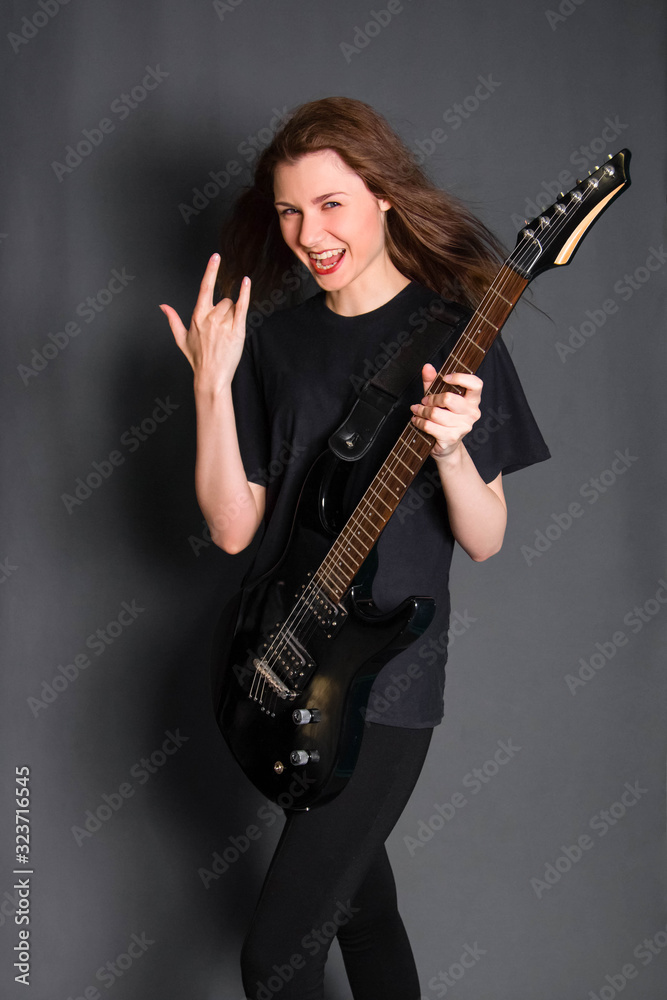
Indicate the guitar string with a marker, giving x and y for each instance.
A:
(519, 256)
(492, 292)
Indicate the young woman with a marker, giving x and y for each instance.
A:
(338, 190)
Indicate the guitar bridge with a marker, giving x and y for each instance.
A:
(274, 681)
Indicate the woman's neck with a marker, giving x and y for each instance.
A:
(367, 291)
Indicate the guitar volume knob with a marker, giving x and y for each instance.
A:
(302, 716)
(301, 757)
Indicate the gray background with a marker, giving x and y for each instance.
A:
(557, 77)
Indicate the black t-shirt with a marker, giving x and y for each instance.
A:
(294, 385)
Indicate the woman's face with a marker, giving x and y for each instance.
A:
(326, 208)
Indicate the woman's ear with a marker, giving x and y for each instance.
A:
(384, 204)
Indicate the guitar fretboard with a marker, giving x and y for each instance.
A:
(365, 524)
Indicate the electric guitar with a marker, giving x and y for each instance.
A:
(296, 652)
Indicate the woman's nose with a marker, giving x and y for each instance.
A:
(310, 232)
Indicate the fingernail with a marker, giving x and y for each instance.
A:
(216, 257)
(246, 280)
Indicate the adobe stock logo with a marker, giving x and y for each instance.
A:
(591, 490)
(94, 819)
(475, 780)
(114, 969)
(363, 36)
(98, 642)
(635, 620)
(132, 439)
(122, 106)
(31, 26)
(625, 288)
(601, 823)
(88, 309)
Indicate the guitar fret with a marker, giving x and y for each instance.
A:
(472, 342)
(340, 560)
(348, 540)
(460, 363)
(346, 573)
(351, 537)
(417, 433)
(471, 339)
(402, 462)
(381, 499)
(367, 518)
(398, 480)
(487, 320)
(359, 525)
(332, 569)
(324, 584)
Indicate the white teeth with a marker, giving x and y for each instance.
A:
(327, 253)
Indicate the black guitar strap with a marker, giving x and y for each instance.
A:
(379, 395)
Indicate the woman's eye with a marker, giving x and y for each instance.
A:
(289, 211)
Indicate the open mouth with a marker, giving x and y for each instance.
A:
(327, 261)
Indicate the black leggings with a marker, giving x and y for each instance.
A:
(330, 877)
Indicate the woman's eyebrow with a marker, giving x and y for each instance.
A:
(315, 201)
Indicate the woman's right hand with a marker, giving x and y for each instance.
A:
(214, 343)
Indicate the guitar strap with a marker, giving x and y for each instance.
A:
(379, 395)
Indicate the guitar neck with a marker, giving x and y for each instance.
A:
(549, 240)
(364, 526)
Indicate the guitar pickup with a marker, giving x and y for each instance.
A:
(326, 613)
(296, 664)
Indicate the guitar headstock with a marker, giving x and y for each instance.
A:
(552, 238)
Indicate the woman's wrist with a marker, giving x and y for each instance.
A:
(453, 462)
(209, 386)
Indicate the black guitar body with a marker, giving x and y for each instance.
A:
(334, 653)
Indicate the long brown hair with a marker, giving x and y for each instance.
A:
(431, 237)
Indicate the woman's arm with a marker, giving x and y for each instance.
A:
(232, 506)
(477, 511)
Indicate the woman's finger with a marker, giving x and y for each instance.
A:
(438, 415)
(450, 401)
(177, 328)
(464, 379)
(242, 303)
(204, 303)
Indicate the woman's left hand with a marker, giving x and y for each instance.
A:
(446, 416)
